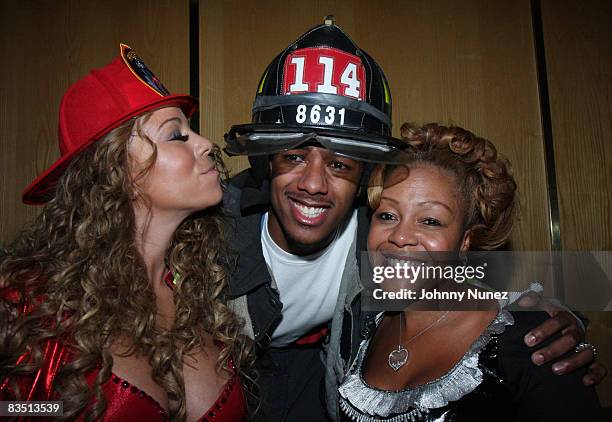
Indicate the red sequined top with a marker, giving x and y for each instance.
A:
(125, 402)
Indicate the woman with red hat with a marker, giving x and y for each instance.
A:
(112, 301)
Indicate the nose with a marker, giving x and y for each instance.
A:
(403, 235)
(202, 146)
(313, 178)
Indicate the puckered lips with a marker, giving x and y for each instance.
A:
(210, 171)
(307, 211)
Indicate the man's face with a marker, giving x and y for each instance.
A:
(312, 192)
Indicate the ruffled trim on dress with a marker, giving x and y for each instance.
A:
(462, 379)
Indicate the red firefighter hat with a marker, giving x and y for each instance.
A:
(98, 103)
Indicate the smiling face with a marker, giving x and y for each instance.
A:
(183, 178)
(421, 211)
(312, 193)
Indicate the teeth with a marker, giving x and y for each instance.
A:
(310, 212)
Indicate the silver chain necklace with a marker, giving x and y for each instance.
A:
(399, 357)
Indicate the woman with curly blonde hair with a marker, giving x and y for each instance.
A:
(113, 301)
(439, 358)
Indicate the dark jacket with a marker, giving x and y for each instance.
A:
(250, 284)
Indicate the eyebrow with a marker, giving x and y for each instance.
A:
(168, 121)
(420, 203)
(307, 148)
(437, 203)
(389, 199)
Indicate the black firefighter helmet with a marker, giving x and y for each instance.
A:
(321, 89)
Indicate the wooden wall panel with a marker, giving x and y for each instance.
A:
(471, 63)
(578, 42)
(46, 45)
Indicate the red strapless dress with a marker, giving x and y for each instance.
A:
(125, 402)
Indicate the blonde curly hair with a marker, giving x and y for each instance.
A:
(77, 267)
(483, 176)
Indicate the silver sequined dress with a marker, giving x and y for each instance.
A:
(493, 381)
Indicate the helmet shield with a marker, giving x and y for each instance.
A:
(274, 139)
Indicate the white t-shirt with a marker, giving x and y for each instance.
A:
(308, 285)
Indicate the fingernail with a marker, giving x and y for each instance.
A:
(538, 358)
(588, 381)
(530, 338)
(559, 368)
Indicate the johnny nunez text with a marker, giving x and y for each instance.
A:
(434, 294)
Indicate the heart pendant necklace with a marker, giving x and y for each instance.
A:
(399, 356)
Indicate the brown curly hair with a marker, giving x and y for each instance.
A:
(483, 176)
(79, 270)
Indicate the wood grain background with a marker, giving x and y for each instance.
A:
(471, 63)
(578, 41)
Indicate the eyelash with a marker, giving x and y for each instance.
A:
(385, 216)
(177, 136)
(293, 157)
(337, 165)
(435, 222)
